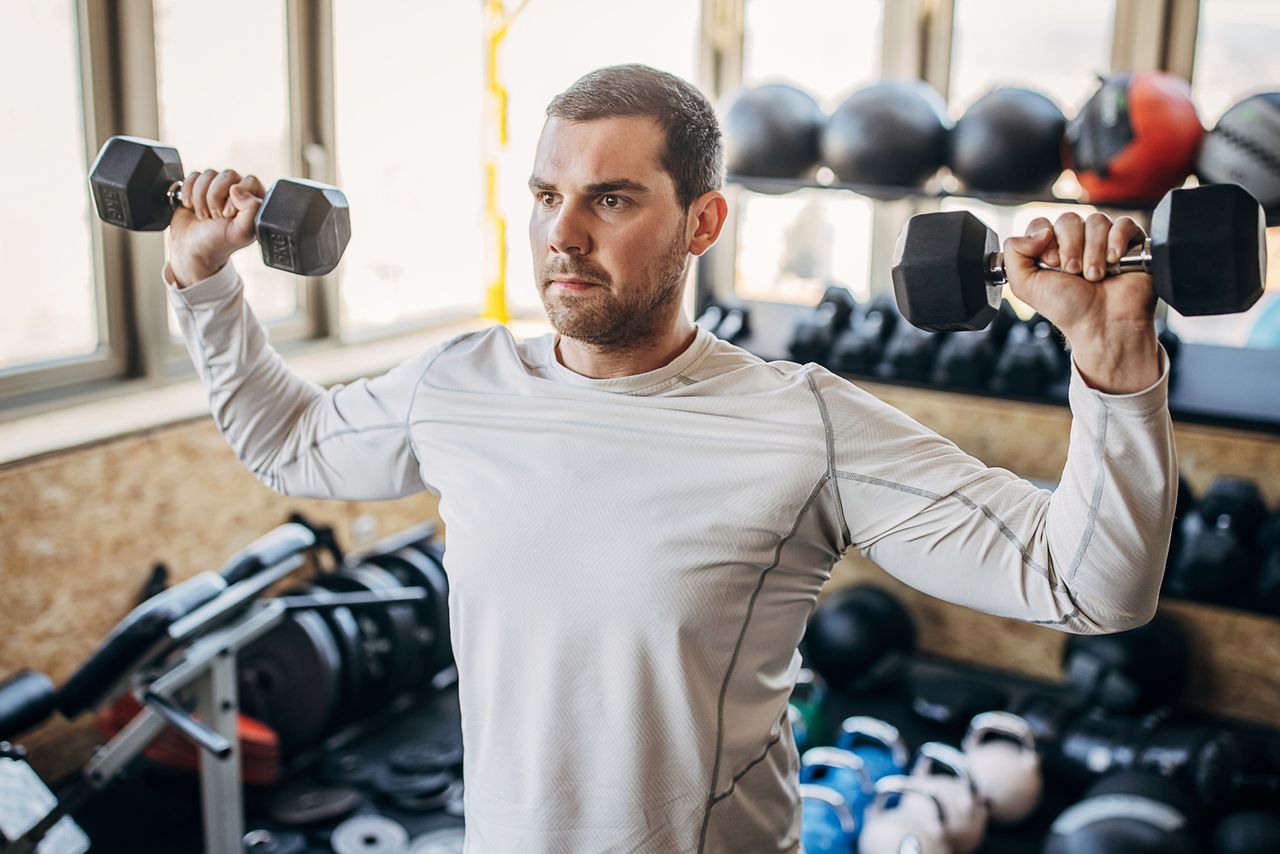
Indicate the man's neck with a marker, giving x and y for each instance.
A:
(601, 363)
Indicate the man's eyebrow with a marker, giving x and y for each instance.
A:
(541, 185)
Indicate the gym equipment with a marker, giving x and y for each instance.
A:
(1244, 149)
(302, 226)
(967, 359)
(841, 770)
(345, 629)
(1127, 813)
(904, 816)
(426, 756)
(1128, 672)
(301, 805)
(728, 322)
(858, 350)
(1006, 767)
(1218, 556)
(877, 743)
(1252, 831)
(827, 824)
(1135, 138)
(369, 834)
(1268, 588)
(964, 812)
(1206, 255)
(771, 131)
(951, 703)
(412, 568)
(1008, 141)
(892, 134)
(425, 792)
(447, 840)
(857, 636)
(26, 699)
(799, 729)
(346, 768)
(909, 354)
(808, 695)
(1030, 360)
(263, 841)
(813, 336)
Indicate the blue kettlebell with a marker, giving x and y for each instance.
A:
(827, 825)
(840, 770)
(876, 743)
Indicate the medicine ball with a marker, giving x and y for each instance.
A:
(893, 133)
(1244, 149)
(1009, 141)
(856, 636)
(1135, 138)
(772, 131)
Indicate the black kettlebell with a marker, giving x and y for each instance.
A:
(1127, 813)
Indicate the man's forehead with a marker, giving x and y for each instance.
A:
(600, 151)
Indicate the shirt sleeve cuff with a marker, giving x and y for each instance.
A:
(215, 288)
(1150, 399)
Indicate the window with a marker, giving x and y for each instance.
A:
(54, 309)
(408, 113)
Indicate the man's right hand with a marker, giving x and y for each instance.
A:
(214, 221)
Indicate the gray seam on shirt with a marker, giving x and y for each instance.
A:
(986, 511)
(831, 457)
(1099, 450)
(686, 380)
(1060, 622)
(413, 398)
(733, 784)
(318, 442)
(737, 648)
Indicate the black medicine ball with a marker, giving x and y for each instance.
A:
(772, 131)
(1009, 141)
(893, 133)
(1244, 149)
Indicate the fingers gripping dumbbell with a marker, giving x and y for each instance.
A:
(1206, 255)
(946, 773)
(302, 226)
(904, 815)
(1006, 767)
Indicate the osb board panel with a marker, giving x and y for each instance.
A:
(1235, 656)
(80, 531)
(1031, 439)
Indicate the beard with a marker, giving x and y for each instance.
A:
(616, 319)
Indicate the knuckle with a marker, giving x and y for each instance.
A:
(1069, 218)
(1097, 218)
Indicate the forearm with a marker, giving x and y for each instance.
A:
(1120, 359)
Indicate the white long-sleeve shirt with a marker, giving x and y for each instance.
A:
(632, 560)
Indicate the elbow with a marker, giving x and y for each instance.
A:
(1103, 618)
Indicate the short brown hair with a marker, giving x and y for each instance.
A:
(694, 153)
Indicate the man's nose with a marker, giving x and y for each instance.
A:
(568, 235)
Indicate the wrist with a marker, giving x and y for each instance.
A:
(187, 270)
(1121, 359)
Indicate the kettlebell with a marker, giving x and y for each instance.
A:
(964, 812)
(903, 816)
(1007, 772)
(1128, 812)
(876, 743)
(827, 825)
(840, 770)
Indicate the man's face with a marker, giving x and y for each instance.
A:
(609, 240)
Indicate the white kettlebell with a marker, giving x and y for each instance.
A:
(1006, 769)
(964, 812)
(912, 825)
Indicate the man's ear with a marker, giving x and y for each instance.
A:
(707, 215)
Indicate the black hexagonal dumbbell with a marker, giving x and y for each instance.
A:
(1206, 254)
(302, 226)
(859, 348)
(814, 334)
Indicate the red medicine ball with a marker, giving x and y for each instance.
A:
(1136, 138)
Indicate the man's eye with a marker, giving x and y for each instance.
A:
(546, 198)
(612, 201)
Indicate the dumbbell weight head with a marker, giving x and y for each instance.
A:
(814, 335)
(910, 354)
(858, 349)
(840, 770)
(964, 811)
(903, 816)
(877, 743)
(302, 226)
(827, 825)
(967, 359)
(1005, 768)
(940, 272)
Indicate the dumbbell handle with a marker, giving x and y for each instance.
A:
(1134, 262)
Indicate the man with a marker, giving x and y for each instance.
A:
(640, 516)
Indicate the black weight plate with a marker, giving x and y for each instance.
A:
(263, 841)
(417, 792)
(446, 841)
(307, 804)
(347, 768)
(386, 634)
(407, 665)
(291, 679)
(413, 568)
(426, 756)
(346, 631)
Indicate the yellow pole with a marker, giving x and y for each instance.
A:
(497, 23)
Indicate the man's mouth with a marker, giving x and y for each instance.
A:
(572, 284)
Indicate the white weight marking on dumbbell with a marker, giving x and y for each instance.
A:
(915, 824)
(963, 808)
(1006, 772)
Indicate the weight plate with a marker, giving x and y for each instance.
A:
(413, 568)
(446, 841)
(423, 757)
(346, 631)
(347, 768)
(307, 804)
(369, 834)
(291, 679)
(388, 633)
(263, 841)
(417, 792)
